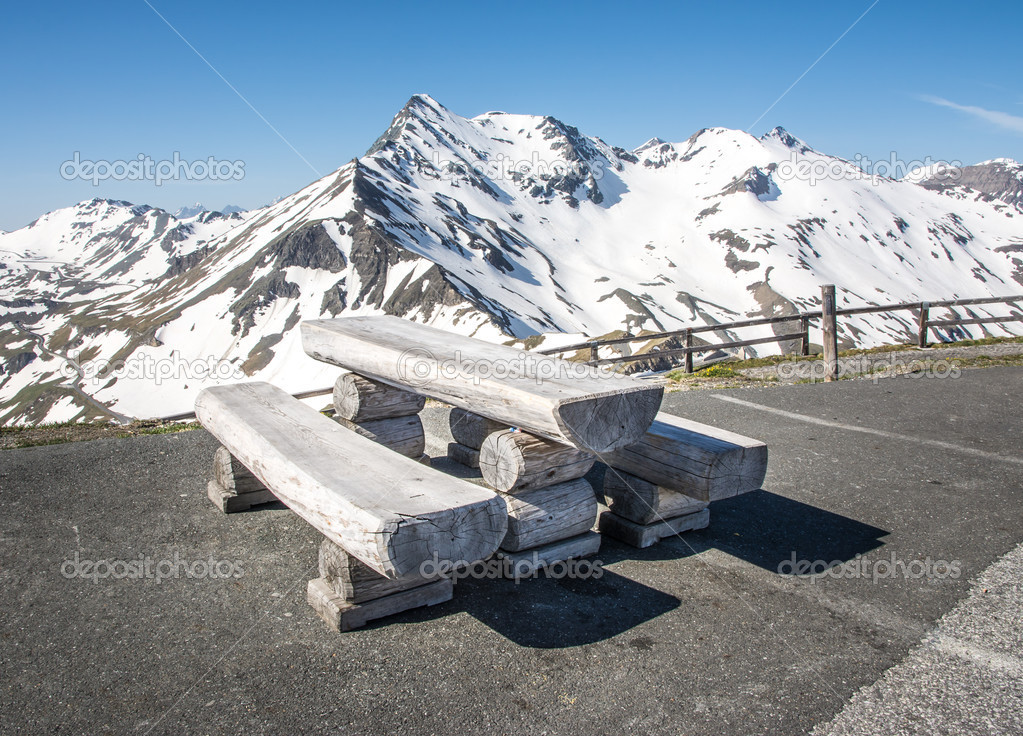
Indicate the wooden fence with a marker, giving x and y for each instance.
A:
(828, 314)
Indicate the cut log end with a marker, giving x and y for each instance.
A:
(513, 462)
(607, 422)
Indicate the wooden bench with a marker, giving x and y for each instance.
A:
(696, 459)
(589, 408)
(388, 511)
(661, 485)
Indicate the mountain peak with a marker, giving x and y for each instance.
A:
(999, 178)
(1010, 163)
(196, 209)
(652, 143)
(421, 99)
(419, 107)
(786, 139)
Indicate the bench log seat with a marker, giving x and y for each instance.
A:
(593, 409)
(390, 512)
(703, 462)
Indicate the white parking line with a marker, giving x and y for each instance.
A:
(877, 432)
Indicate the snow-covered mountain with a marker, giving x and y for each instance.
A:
(198, 208)
(1000, 178)
(500, 226)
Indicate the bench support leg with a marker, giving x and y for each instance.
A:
(645, 535)
(529, 561)
(348, 594)
(464, 454)
(234, 488)
(342, 615)
(231, 503)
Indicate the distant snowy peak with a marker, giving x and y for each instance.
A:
(186, 212)
(997, 179)
(1010, 162)
(930, 171)
(199, 208)
(102, 244)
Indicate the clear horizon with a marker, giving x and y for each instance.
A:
(295, 95)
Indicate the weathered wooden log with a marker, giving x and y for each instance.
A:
(546, 515)
(643, 502)
(471, 429)
(527, 562)
(232, 476)
(342, 615)
(467, 456)
(644, 535)
(358, 399)
(404, 435)
(512, 461)
(592, 408)
(230, 502)
(389, 511)
(696, 459)
(354, 581)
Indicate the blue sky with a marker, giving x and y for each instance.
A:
(113, 81)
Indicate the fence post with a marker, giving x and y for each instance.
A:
(594, 356)
(829, 322)
(689, 355)
(921, 330)
(804, 327)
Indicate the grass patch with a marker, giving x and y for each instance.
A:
(735, 369)
(974, 343)
(987, 361)
(56, 433)
(721, 370)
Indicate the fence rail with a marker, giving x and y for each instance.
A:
(828, 314)
(301, 395)
(924, 324)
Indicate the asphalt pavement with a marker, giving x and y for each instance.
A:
(897, 492)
